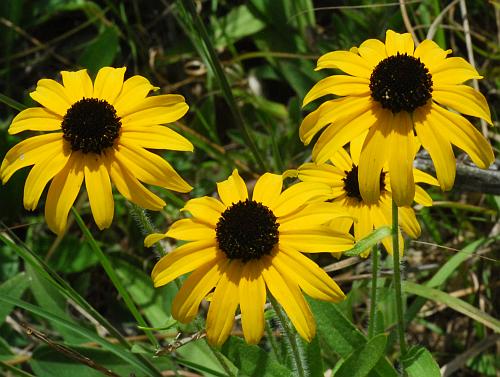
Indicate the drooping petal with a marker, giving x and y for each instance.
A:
(108, 84)
(460, 132)
(162, 109)
(311, 215)
(401, 159)
(339, 85)
(205, 209)
(288, 294)
(373, 51)
(323, 173)
(43, 172)
(190, 230)
(153, 238)
(452, 71)
(346, 61)
(430, 54)
(155, 137)
(408, 221)
(267, 189)
(134, 91)
(149, 167)
(130, 187)
(63, 192)
(99, 189)
(52, 95)
(252, 295)
(422, 197)
(463, 99)
(355, 147)
(312, 279)
(316, 240)
(342, 160)
(184, 259)
(77, 84)
(35, 119)
(196, 287)
(297, 195)
(233, 189)
(398, 43)
(29, 152)
(382, 216)
(220, 318)
(310, 126)
(422, 177)
(365, 217)
(374, 154)
(427, 128)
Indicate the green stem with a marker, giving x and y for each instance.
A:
(397, 278)
(11, 102)
(216, 66)
(373, 298)
(106, 264)
(222, 361)
(299, 363)
(272, 342)
(145, 224)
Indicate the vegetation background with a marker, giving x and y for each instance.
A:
(61, 315)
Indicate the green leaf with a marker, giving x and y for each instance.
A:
(73, 256)
(197, 355)
(313, 356)
(252, 360)
(369, 241)
(341, 336)
(363, 359)
(101, 52)
(454, 303)
(13, 287)
(418, 362)
(237, 24)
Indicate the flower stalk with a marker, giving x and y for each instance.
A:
(373, 296)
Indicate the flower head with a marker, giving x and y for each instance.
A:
(98, 134)
(400, 95)
(240, 246)
(342, 176)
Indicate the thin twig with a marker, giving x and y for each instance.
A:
(407, 21)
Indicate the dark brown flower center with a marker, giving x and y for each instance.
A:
(401, 83)
(351, 183)
(247, 230)
(91, 125)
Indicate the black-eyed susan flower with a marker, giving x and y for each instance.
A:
(241, 246)
(399, 93)
(342, 176)
(98, 133)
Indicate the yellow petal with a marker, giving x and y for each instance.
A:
(310, 126)
(343, 130)
(401, 160)
(374, 154)
(408, 221)
(52, 95)
(130, 187)
(312, 279)
(323, 173)
(297, 195)
(355, 147)
(62, 193)
(430, 54)
(422, 177)
(153, 238)
(190, 230)
(395, 42)
(342, 160)
(373, 51)
(463, 99)
(427, 128)
(162, 109)
(194, 289)
(382, 216)
(35, 119)
(422, 197)
(453, 71)
(155, 137)
(43, 172)
(134, 90)
(267, 189)
(233, 189)
(252, 295)
(311, 215)
(460, 132)
(220, 318)
(205, 209)
(78, 85)
(108, 84)
(29, 152)
(316, 240)
(346, 61)
(339, 85)
(184, 259)
(364, 225)
(288, 294)
(149, 167)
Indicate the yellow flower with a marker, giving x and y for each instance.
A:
(342, 176)
(395, 92)
(100, 132)
(240, 246)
